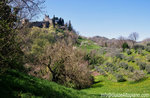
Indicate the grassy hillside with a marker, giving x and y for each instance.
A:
(104, 85)
(87, 45)
(16, 84)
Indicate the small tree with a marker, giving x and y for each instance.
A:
(125, 46)
(67, 66)
(133, 37)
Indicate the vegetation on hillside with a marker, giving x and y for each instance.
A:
(33, 60)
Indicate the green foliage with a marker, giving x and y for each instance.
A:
(123, 65)
(138, 46)
(147, 69)
(125, 46)
(148, 58)
(142, 65)
(120, 56)
(15, 84)
(120, 78)
(147, 48)
(130, 68)
(131, 59)
(10, 52)
(137, 76)
(70, 26)
(129, 52)
(148, 44)
(94, 59)
(109, 64)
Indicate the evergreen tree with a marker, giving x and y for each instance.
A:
(63, 22)
(53, 20)
(70, 26)
(125, 46)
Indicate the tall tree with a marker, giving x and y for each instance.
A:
(70, 26)
(53, 21)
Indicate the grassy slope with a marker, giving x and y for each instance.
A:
(87, 45)
(106, 86)
(16, 84)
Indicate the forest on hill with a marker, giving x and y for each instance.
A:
(50, 59)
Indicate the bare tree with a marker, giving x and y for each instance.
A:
(26, 8)
(121, 41)
(133, 37)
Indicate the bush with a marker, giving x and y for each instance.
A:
(137, 76)
(148, 58)
(108, 64)
(147, 48)
(123, 65)
(120, 78)
(141, 65)
(130, 68)
(131, 59)
(68, 66)
(107, 69)
(102, 72)
(139, 51)
(128, 52)
(148, 44)
(94, 59)
(147, 69)
(120, 56)
(138, 46)
(125, 46)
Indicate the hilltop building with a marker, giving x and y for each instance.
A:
(45, 23)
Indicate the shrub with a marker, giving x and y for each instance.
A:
(138, 46)
(137, 76)
(128, 52)
(108, 64)
(141, 65)
(102, 72)
(94, 59)
(139, 51)
(147, 69)
(148, 58)
(148, 44)
(123, 65)
(114, 68)
(120, 56)
(67, 65)
(120, 78)
(147, 48)
(107, 69)
(130, 68)
(125, 46)
(131, 59)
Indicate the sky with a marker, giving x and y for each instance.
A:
(108, 18)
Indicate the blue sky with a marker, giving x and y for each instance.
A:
(108, 18)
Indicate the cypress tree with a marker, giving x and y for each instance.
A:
(70, 26)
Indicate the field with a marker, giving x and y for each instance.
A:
(104, 86)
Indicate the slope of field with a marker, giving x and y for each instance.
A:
(105, 86)
(16, 84)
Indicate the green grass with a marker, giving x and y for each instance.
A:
(15, 84)
(106, 86)
(87, 45)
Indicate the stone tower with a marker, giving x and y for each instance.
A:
(47, 19)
